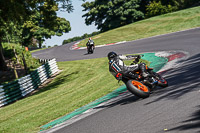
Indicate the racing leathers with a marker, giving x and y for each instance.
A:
(117, 65)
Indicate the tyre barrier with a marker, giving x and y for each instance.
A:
(20, 88)
(43, 61)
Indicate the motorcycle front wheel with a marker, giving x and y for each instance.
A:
(137, 88)
(162, 82)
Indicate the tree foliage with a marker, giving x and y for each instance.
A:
(109, 14)
(158, 7)
(77, 38)
(179, 4)
(43, 28)
(16, 18)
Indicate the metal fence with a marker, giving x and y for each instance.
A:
(20, 88)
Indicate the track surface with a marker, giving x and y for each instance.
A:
(173, 109)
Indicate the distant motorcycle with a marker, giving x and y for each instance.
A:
(142, 87)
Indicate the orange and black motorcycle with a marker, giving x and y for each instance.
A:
(142, 87)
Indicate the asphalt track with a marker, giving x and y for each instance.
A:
(173, 109)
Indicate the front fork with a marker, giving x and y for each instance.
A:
(151, 82)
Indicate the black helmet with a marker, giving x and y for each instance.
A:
(111, 55)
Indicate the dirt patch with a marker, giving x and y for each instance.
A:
(9, 75)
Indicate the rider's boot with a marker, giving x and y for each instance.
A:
(145, 75)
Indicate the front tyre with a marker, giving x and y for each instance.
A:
(138, 89)
(162, 82)
(92, 50)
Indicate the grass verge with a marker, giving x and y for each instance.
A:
(171, 22)
(80, 83)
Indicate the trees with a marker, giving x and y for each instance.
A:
(109, 14)
(158, 7)
(21, 12)
(56, 26)
(78, 38)
(9, 13)
(179, 4)
(44, 23)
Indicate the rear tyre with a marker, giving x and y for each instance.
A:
(88, 50)
(138, 89)
(92, 50)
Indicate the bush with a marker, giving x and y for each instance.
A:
(156, 8)
(31, 62)
(44, 46)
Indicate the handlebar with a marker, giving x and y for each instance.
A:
(136, 59)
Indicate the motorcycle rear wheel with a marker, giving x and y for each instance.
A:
(90, 50)
(137, 88)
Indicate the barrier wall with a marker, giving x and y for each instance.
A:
(20, 88)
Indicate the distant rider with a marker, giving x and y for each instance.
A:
(117, 65)
(90, 43)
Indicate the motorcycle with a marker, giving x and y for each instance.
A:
(90, 49)
(140, 86)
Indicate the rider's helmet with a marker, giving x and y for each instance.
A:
(90, 38)
(111, 55)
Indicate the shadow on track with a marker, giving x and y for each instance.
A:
(87, 54)
(182, 81)
(192, 123)
(130, 98)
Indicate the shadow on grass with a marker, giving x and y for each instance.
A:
(56, 82)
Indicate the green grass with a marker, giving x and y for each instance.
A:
(172, 22)
(80, 83)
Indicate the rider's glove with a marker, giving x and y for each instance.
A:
(139, 57)
(136, 60)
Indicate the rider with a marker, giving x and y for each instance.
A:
(116, 65)
(90, 43)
